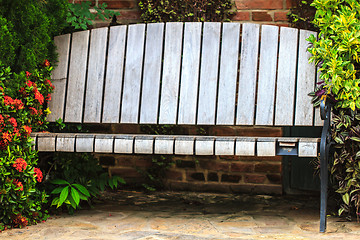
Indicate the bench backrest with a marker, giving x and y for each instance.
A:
(185, 73)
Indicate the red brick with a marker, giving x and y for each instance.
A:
(215, 166)
(124, 128)
(242, 167)
(124, 161)
(195, 176)
(241, 16)
(290, 3)
(112, 4)
(143, 162)
(199, 187)
(281, 16)
(263, 159)
(254, 178)
(125, 172)
(230, 158)
(174, 175)
(261, 16)
(268, 167)
(129, 15)
(274, 178)
(230, 178)
(259, 4)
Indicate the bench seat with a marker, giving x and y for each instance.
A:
(176, 144)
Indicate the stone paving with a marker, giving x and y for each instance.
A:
(128, 215)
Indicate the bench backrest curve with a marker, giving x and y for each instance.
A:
(185, 73)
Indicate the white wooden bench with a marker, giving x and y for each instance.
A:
(185, 74)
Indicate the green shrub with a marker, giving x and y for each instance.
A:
(80, 16)
(302, 14)
(23, 98)
(73, 177)
(188, 10)
(31, 26)
(336, 54)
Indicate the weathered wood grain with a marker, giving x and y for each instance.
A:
(247, 75)
(95, 77)
(152, 70)
(114, 74)
(267, 75)
(285, 90)
(77, 73)
(59, 78)
(190, 73)
(184, 145)
(225, 146)
(228, 74)
(210, 55)
(133, 70)
(65, 143)
(104, 143)
(171, 73)
(305, 83)
(85, 142)
(144, 145)
(308, 147)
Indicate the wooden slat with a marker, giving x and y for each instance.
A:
(308, 147)
(210, 54)
(95, 78)
(171, 73)
(164, 145)
(247, 75)
(104, 143)
(190, 73)
(65, 143)
(46, 143)
(224, 146)
(245, 146)
(124, 144)
(305, 83)
(204, 146)
(267, 75)
(266, 147)
(184, 145)
(285, 90)
(228, 74)
(144, 144)
(59, 78)
(85, 143)
(132, 78)
(114, 74)
(77, 73)
(152, 68)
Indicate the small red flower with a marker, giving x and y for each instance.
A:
(38, 174)
(39, 97)
(46, 63)
(18, 184)
(27, 129)
(20, 164)
(48, 97)
(33, 111)
(28, 74)
(13, 122)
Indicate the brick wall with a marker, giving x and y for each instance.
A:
(259, 11)
(208, 173)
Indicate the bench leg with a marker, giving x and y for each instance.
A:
(323, 189)
(324, 155)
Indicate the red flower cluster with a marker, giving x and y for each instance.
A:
(33, 111)
(19, 220)
(38, 174)
(18, 184)
(27, 129)
(46, 63)
(20, 164)
(13, 103)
